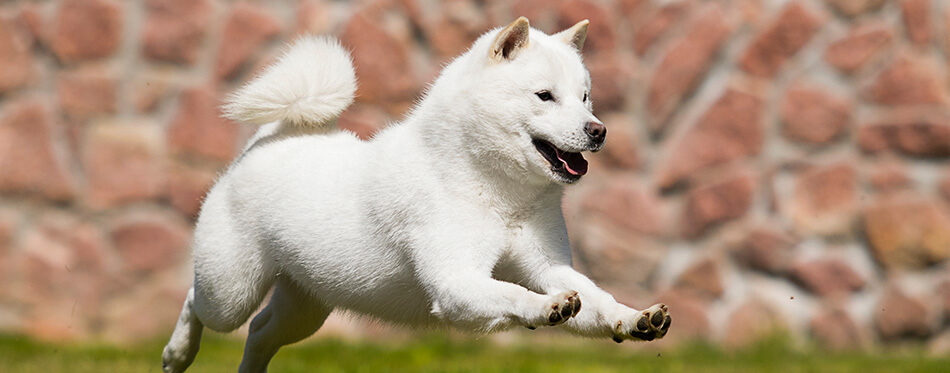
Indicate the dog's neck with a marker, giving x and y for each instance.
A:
(511, 190)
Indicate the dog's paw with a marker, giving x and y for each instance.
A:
(647, 325)
(563, 307)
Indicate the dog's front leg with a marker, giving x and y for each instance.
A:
(454, 266)
(474, 301)
(541, 260)
(602, 316)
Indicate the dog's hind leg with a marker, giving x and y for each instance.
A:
(183, 345)
(291, 316)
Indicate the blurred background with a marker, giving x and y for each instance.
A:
(771, 166)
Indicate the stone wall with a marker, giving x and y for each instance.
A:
(771, 165)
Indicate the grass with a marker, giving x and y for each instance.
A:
(438, 353)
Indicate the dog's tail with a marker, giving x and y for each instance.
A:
(309, 86)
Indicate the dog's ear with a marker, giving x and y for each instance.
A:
(512, 39)
(575, 35)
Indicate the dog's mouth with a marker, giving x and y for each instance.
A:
(568, 165)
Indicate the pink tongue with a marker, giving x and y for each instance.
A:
(573, 162)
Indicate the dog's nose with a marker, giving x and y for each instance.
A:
(596, 131)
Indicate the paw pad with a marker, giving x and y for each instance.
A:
(652, 323)
(564, 306)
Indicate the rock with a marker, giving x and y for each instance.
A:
(658, 24)
(626, 205)
(683, 66)
(690, 320)
(899, 316)
(62, 274)
(939, 345)
(789, 32)
(890, 176)
(812, 115)
(835, 329)
(18, 67)
(148, 243)
(825, 199)
(144, 313)
(187, 187)
(752, 322)
(602, 35)
(916, 15)
(174, 29)
(766, 249)
(31, 165)
(908, 80)
(859, 46)
(908, 132)
(703, 278)
(86, 93)
(124, 162)
(855, 7)
(246, 30)
(610, 79)
(943, 298)
(458, 24)
(715, 203)
(381, 61)
(197, 127)
(826, 277)
(731, 129)
(149, 91)
(621, 150)
(363, 120)
(943, 187)
(313, 17)
(86, 29)
(908, 232)
(10, 222)
(30, 21)
(541, 14)
(615, 257)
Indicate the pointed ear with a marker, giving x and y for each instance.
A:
(512, 39)
(575, 35)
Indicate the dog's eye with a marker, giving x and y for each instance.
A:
(545, 96)
(585, 97)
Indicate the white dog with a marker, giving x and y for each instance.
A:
(451, 217)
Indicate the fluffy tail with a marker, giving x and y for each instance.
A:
(309, 86)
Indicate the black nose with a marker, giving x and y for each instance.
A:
(596, 131)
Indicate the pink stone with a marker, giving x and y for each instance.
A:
(15, 57)
(859, 46)
(31, 165)
(789, 32)
(246, 29)
(175, 29)
(732, 128)
(124, 162)
(86, 93)
(198, 128)
(150, 242)
(717, 202)
(825, 199)
(86, 29)
(683, 66)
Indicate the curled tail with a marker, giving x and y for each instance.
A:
(309, 86)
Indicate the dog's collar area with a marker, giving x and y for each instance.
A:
(568, 165)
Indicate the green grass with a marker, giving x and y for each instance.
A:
(437, 353)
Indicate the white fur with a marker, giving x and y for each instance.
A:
(311, 84)
(451, 217)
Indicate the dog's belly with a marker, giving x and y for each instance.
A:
(363, 279)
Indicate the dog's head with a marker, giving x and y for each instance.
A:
(533, 92)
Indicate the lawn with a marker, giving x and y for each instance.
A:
(438, 353)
